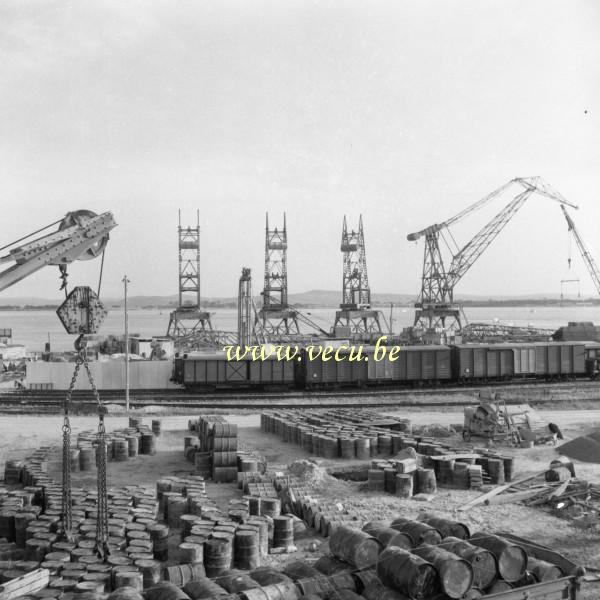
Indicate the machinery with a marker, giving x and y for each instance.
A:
(81, 235)
(515, 424)
(355, 317)
(435, 308)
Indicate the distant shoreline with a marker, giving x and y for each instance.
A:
(217, 305)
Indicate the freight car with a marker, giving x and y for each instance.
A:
(212, 372)
(411, 366)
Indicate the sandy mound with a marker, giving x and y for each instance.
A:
(309, 471)
(585, 448)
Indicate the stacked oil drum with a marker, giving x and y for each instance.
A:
(336, 435)
(121, 444)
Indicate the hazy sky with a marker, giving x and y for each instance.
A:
(404, 111)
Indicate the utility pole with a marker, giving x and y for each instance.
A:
(125, 282)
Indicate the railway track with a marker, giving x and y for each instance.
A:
(33, 401)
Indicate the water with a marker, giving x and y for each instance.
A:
(34, 328)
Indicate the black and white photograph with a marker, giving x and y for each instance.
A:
(300, 300)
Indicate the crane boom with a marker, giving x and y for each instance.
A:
(436, 300)
(588, 259)
(82, 236)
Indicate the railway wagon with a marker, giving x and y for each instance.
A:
(320, 374)
(411, 365)
(545, 360)
(214, 371)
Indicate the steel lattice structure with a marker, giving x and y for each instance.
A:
(355, 316)
(435, 307)
(188, 320)
(276, 317)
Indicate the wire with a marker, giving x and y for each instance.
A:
(101, 271)
(29, 235)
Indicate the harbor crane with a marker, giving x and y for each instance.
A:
(588, 259)
(81, 235)
(435, 308)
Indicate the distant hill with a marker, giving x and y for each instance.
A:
(309, 299)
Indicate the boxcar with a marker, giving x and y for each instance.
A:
(412, 365)
(271, 373)
(507, 361)
(317, 373)
(214, 371)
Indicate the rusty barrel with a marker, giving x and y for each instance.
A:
(391, 537)
(329, 565)
(455, 573)
(371, 588)
(202, 588)
(426, 482)
(191, 553)
(512, 559)
(132, 579)
(283, 532)
(407, 573)
(404, 485)
(274, 591)
(355, 547)
(159, 534)
(148, 442)
(447, 527)
(246, 549)
(217, 556)
(543, 570)
(181, 574)
(483, 562)
(150, 570)
(268, 576)
(165, 591)
(421, 533)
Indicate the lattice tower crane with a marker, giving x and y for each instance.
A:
(588, 259)
(81, 235)
(435, 307)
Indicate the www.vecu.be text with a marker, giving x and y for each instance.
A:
(341, 353)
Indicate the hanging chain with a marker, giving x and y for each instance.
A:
(102, 548)
(67, 503)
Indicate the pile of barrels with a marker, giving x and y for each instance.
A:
(121, 444)
(215, 451)
(436, 556)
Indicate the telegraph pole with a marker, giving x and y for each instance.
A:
(125, 282)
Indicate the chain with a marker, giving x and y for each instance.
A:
(67, 503)
(102, 548)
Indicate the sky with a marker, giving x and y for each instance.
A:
(403, 111)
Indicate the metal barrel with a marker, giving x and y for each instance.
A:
(391, 537)
(159, 534)
(355, 547)
(246, 549)
(132, 579)
(270, 507)
(265, 576)
(165, 591)
(404, 485)
(202, 588)
(456, 574)
(543, 570)
(376, 480)
(448, 527)
(275, 591)
(426, 483)
(283, 531)
(407, 573)
(298, 569)
(181, 574)
(512, 559)
(156, 426)
(120, 449)
(421, 533)
(262, 527)
(132, 444)
(217, 556)
(384, 444)
(150, 570)
(389, 480)
(176, 506)
(236, 581)
(483, 562)
(191, 553)
(329, 564)
(148, 443)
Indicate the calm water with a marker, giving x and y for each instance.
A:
(34, 328)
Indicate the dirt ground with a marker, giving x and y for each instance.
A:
(19, 435)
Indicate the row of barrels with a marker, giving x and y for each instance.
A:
(423, 558)
(364, 417)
